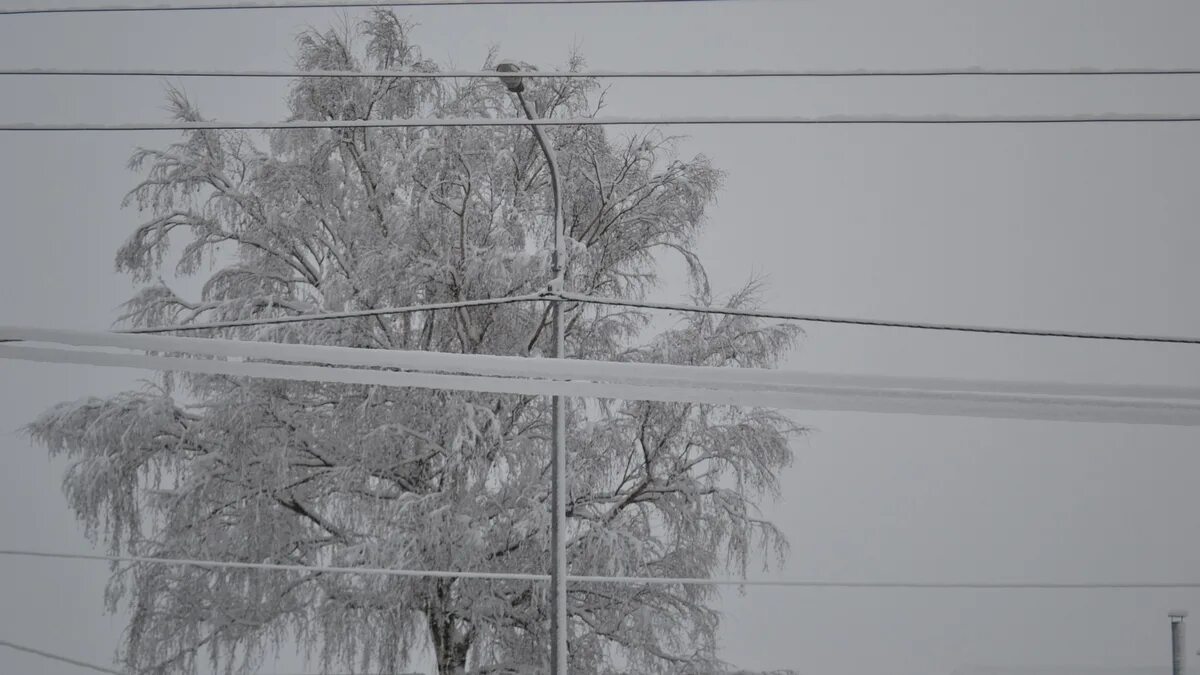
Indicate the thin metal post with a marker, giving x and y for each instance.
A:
(1178, 657)
(558, 477)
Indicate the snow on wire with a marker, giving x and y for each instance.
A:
(839, 119)
(320, 4)
(328, 316)
(603, 579)
(970, 71)
(1132, 404)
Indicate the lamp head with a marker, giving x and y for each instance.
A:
(515, 84)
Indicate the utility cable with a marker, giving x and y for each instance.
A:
(283, 4)
(600, 579)
(817, 318)
(327, 316)
(92, 666)
(1130, 404)
(607, 74)
(648, 304)
(1082, 118)
(56, 657)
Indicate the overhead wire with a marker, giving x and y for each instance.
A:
(349, 4)
(328, 316)
(621, 579)
(607, 74)
(882, 323)
(669, 306)
(838, 119)
(631, 372)
(92, 666)
(1050, 401)
(57, 657)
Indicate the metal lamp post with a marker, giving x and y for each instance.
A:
(558, 501)
(1177, 650)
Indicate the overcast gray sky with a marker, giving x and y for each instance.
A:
(1084, 227)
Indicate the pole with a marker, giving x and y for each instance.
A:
(1177, 649)
(558, 477)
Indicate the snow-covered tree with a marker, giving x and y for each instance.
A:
(241, 469)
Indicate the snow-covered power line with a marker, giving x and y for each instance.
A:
(319, 4)
(278, 567)
(818, 318)
(1130, 404)
(608, 74)
(647, 304)
(327, 316)
(606, 579)
(932, 119)
(56, 657)
(91, 666)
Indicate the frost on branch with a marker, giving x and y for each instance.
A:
(239, 469)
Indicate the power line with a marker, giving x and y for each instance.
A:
(550, 74)
(327, 316)
(277, 567)
(644, 374)
(648, 304)
(1083, 118)
(56, 657)
(1049, 401)
(92, 666)
(586, 578)
(816, 318)
(223, 6)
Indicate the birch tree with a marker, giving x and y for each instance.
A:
(241, 469)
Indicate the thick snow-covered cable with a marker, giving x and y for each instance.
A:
(326, 316)
(932, 119)
(607, 74)
(605, 579)
(805, 391)
(632, 373)
(320, 4)
(818, 318)
(56, 657)
(193, 562)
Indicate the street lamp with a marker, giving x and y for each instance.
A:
(1177, 655)
(558, 478)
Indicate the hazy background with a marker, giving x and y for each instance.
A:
(1082, 227)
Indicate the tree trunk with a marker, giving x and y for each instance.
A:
(453, 661)
(450, 643)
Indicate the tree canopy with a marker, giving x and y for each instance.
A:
(230, 468)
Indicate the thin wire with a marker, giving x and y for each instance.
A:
(646, 304)
(1085, 118)
(222, 6)
(92, 666)
(816, 318)
(191, 562)
(298, 318)
(506, 576)
(550, 74)
(56, 657)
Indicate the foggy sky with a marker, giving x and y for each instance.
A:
(1078, 227)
